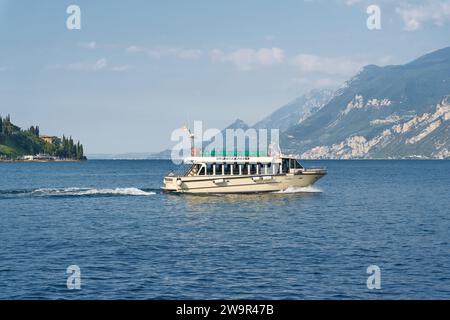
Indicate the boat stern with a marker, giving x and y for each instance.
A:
(171, 183)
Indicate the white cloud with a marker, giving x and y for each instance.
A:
(246, 59)
(416, 15)
(315, 83)
(88, 45)
(352, 2)
(97, 65)
(160, 52)
(100, 64)
(325, 65)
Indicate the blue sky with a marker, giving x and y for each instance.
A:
(137, 70)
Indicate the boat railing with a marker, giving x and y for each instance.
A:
(316, 169)
(234, 153)
(181, 170)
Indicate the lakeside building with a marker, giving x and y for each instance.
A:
(49, 139)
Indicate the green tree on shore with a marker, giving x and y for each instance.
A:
(69, 150)
(34, 130)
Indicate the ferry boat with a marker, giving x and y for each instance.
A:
(241, 173)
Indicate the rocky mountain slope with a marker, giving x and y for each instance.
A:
(383, 112)
(296, 111)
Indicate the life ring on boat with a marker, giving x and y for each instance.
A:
(179, 182)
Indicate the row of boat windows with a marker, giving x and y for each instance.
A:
(246, 169)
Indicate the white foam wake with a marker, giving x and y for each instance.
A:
(309, 189)
(91, 191)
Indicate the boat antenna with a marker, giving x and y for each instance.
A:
(191, 138)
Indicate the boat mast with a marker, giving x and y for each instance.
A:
(191, 138)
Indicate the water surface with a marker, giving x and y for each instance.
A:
(132, 241)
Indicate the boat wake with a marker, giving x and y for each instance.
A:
(309, 189)
(111, 192)
(77, 192)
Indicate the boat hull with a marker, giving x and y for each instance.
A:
(241, 184)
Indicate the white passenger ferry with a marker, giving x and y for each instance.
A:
(245, 173)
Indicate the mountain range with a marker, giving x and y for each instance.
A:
(389, 112)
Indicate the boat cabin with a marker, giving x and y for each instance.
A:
(223, 166)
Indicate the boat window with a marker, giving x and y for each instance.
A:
(285, 165)
(235, 168)
(202, 171)
(275, 168)
(226, 168)
(194, 169)
(291, 164)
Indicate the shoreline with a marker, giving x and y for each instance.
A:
(45, 161)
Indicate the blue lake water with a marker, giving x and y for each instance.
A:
(132, 241)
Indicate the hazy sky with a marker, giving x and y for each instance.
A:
(139, 69)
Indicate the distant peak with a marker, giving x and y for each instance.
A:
(371, 67)
(238, 124)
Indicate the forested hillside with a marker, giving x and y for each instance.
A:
(16, 142)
